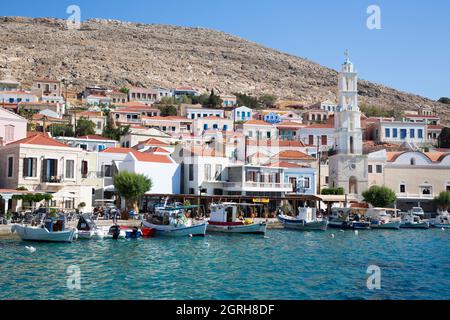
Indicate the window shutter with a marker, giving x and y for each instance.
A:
(34, 167)
(25, 167)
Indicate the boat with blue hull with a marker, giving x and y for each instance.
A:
(306, 220)
(345, 218)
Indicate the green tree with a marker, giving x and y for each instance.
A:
(442, 201)
(124, 90)
(267, 100)
(84, 127)
(112, 132)
(131, 186)
(167, 101)
(246, 100)
(185, 99)
(379, 196)
(61, 130)
(444, 138)
(201, 99)
(333, 191)
(168, 110)
(444, 100)
(214, 100)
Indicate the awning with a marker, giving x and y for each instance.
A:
(63, 195)
(109, 188)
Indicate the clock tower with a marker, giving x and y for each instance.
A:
(348, 167)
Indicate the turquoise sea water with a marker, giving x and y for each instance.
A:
(415, 264)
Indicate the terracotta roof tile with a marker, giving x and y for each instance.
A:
(40, 139)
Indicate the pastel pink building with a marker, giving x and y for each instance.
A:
(12, 127)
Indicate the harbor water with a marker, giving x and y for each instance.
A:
(414, 264)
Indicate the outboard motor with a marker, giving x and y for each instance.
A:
(115, 232)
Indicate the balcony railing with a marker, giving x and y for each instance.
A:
(255, 185)
(51, 179)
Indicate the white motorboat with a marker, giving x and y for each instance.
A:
(305, 220)
(87, 229)
(172, 221)
(224, 218)
(50, 230)
(441, 221)
(380, 218)
(412, 219)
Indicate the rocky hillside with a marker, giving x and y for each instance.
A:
(115, 53)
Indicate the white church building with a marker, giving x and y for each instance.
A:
(348, 167)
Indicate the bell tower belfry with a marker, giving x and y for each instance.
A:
(348, 167)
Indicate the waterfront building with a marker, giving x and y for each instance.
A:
(348, 167)
(302, 178)
(416, 177)
(201, 168)
(12, 127)
(163, 171)
(42, 164)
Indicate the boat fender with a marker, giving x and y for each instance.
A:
(13, 229)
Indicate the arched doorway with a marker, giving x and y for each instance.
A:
(353, 185)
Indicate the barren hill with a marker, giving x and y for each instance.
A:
(114, 53)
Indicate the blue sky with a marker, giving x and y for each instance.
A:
(411, 52)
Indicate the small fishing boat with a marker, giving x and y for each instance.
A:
(305, 220)
(172, 221)
(49, 230)
(87, 229)
(412, 219)
(344, 218)
(441, 221)
(380, 218)
(224, 219)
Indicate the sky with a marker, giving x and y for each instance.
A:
(411, 51)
